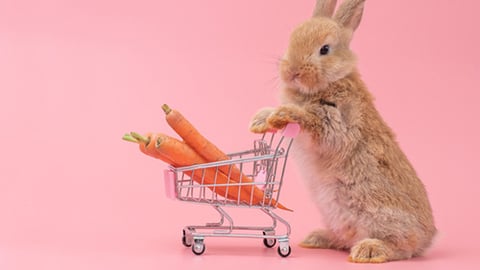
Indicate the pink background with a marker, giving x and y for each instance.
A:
(76, 75)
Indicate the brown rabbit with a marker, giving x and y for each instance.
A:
(371, 199)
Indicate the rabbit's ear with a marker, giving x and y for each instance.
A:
(324, 8)
(349, 14)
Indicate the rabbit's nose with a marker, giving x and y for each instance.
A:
(290, 73)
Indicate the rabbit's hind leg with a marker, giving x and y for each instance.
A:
(320, 238)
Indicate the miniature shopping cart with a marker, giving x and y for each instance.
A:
(264, 165)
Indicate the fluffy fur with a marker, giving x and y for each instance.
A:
(372, 201)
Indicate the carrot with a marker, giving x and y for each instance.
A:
(147, 146)
(179, 154)
(211, 153)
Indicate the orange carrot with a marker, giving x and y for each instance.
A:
(179, 154)
(148, 147)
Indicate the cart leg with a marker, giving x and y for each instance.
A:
(224, 215)
(276, 218)
(222, 218)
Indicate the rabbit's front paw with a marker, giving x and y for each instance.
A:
(284, 115)
(259, 122)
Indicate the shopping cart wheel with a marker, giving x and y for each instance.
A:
(269, 242)
(284, 249)
(198, 247)
(187, 239)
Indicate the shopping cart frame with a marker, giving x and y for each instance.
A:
(266, 164)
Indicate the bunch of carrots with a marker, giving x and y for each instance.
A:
(196, 149)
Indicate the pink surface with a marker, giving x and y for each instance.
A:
(76, 75)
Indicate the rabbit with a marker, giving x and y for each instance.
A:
(372, 202)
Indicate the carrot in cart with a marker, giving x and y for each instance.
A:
(211, 153)
(179, 154)
(146, 146)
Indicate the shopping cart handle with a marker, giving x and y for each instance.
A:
(291, 130)
(170, 190)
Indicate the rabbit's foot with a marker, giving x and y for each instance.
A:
(370, 251)
(317, 239)
(259, 122)
(284, 115)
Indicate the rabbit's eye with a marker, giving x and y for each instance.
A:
(324, 50)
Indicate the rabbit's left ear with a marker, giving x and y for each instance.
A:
(324, 8)
(349, 14)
